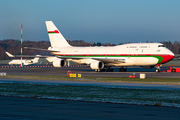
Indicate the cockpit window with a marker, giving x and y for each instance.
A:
(161, 46)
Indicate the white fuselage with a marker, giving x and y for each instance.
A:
(24, 62)
(135, 54)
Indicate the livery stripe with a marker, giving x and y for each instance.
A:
(161, 58)
(53, 32)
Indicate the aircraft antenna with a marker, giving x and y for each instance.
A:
(21, 42)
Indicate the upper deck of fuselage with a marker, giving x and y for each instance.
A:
(131, 48)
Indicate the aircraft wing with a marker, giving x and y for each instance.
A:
(31, 56)
(115, 61)
(51, 58)
(10, 55)
(41, 49)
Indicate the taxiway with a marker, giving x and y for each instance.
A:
(85, 71)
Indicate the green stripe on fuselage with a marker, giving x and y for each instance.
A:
(51, 32)
(81, 56)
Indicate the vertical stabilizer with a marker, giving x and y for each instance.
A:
(56, 38)
(9, 54)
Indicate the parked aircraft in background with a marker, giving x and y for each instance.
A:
(146, 55)
(24, 61)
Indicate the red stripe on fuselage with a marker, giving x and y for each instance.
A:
(55, 31)
(166, 58)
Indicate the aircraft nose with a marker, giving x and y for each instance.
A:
(171, 55)
(168, 57)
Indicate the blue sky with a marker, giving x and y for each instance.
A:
(106, 21)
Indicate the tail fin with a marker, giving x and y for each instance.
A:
(9, 54)
(56, 38)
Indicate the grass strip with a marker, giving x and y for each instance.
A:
(169, 81)
(93, 93)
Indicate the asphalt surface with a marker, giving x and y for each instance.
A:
(40, 109)
(85, 71)
(34, 108)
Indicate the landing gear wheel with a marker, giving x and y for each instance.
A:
(122, 69)
(157, 70)
(108, 69)
(173, 70)
(97, 70)
(111, 70)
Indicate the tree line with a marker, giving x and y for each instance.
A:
(14, 46)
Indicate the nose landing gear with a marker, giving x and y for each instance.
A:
(158, 69)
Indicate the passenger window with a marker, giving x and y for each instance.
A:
(143, 46)
(132, 46)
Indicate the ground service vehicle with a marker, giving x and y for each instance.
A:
(173, 69)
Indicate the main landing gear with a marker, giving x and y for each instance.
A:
(122, 69)
(108, 69)
(158, 69)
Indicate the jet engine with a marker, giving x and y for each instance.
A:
(59, 63)
(97, 65)
(148, 67)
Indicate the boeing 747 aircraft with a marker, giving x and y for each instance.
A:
(146, 55)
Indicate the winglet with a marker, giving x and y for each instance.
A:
(9, 54)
